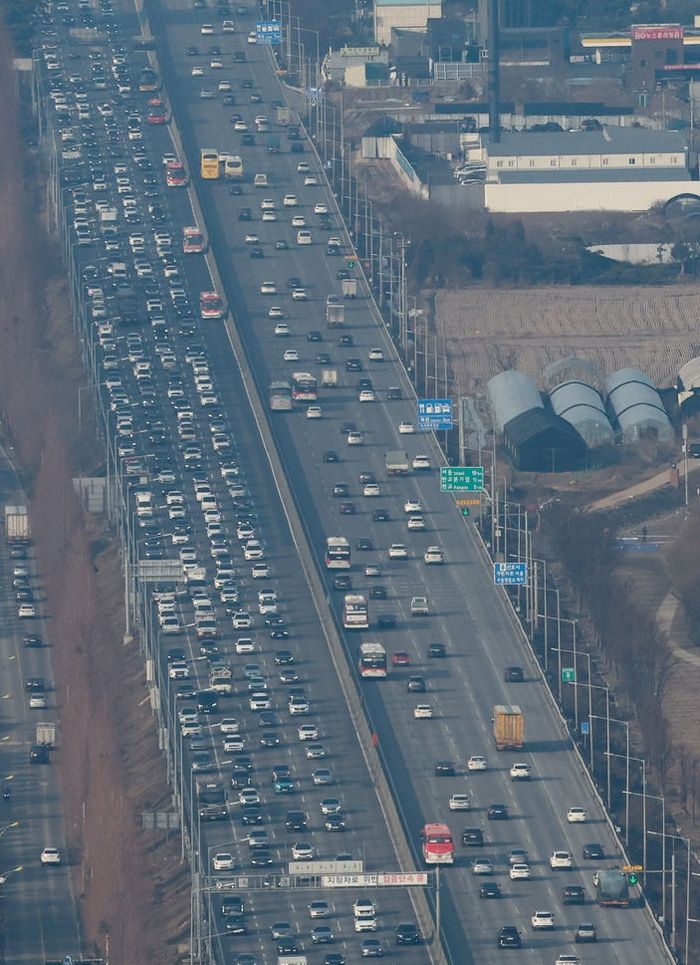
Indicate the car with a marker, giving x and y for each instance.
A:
(371, 489)
(513, 675)
(421, 463)
(280, 929)
(400, 659)
(222, 861)
(412, 506)
(376, 355)
(586, 932)
(437, 650)
(295, 821)
(520, 771)
(322, 935)
(497, 812)
(423, 712)
(573, 895)
(307, 732)
(37, 702)
(542, 920)
(476, 763)
(565, 959)
(472, 837)
(516, 855)
(561, 861)
(364, 908)
(397, 551)
(593, 851)
(519, 871)
(444, 768)
(355, 438)
(433, 556)
(576, 815)
(407, 933)
(330, 455)
(406, 428)
(303, 852)
(419, 606)
(482, 866)
(364, 544)
(335, 822)
(489, 889)
(416, 684)
(26, 611)
(287, 945)
(509, 937)
(291, 355)
(322, 777)
(381, 516)
(460, 802)
(50, 856)
(371, 948)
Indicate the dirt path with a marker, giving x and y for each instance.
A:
(658, 481)
(133, 894)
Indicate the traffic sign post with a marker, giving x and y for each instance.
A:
(434, 414)
(268, 32)
(461, 479)
(510, 574)
(568, 675)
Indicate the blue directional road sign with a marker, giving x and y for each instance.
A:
(510, 574)
(434, 414)
(268, 32)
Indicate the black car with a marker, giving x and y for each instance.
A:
(245, 214)
(279, 633)
(32, 641)
(490, 889)
(248, 140)
(186, 692)
(394, 393)
(261, 858)
(366, 477)
(586, 932)
(364, 543)
(207, 702)
(294, 281)
(232, 905)
(593, 851)
(35, 685)
(295, 821)
(236, 925)
(497, 812)
(514, 675)
(256, 252)
(437, 650)
(444, 769)
(346, 341)
(378, 593)
(381, 516)
(39, 754)
(251, 814)
(314, 336)
(288, 945)
(573, 895)
(335, 822)
(509, 937)
(347, 509)
(323, 358)
(353, 365)
(386, 621)
(472, 837)
(269, 739)
(407, 934)
(283, 658)
(416, 685)
(340, 490)
(342, 582)
(330, 455)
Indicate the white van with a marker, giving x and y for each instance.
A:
(260, 181)
(303, 237)
(144, 505)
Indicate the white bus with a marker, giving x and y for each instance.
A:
(372, 661)
(355, 612)
(337, 553)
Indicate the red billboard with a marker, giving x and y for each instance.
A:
(660, 31)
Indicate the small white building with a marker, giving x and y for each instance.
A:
(406, 14)
(614, 169)
(357, 66)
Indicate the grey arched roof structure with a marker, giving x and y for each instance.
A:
(511, 393)
(583, 407)
(637, 406)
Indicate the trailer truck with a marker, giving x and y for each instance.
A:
(508, 727)
(16, 524)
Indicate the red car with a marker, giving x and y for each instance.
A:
(400, 658)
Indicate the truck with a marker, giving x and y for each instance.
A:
(508, 727)
(221, 678)
(611, 888)
(329, 378)
(335, 314)
(282, 116)
(212, 800)
(45, 735)
(397, 463)
(108, 221)
(349, 287)
(16, 524)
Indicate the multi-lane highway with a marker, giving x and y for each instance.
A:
(196, 484)
(38, 903)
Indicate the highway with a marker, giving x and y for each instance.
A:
(38, 902)
(467, 614)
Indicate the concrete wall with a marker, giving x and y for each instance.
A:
(584, 196)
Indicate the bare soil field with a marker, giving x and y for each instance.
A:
(489, 330)
(133, 893)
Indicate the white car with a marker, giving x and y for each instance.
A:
(223, 861)
(314, 412)
(261, 571)
(252, 37)
(560, 860)
(423, 712)
(50, 856)
(37, 702)
(244, 645)
(26, 610)
(307, 732)
(228, 725)
(290, 201)
(397, 551)
(433, 555)
(320, 208)
(268, 288)
(576, 815)
(419, 606)
(476, 763)
(376, 355)
(412, 506)
(520, 772)
(520, 871)
(206, 30)
(542, 920)
(460, 802)
(269, 216)
(267, 204)
(482, 866)
(406, 428)
(291, 355)
(299, 295)
(355, 438)
(311, 181)
(216, 65)
(251, 238)
(302, 852)
(364, 908)
(303, 237)
(365, 924)
(281, 330)
(276, 311)
(367, 395)
(421, 462)
(298, 221)
(371, 489)
(249, 795)
(415, 522)
(198, 72)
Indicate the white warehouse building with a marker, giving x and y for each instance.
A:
(405, 14)
(614, 169)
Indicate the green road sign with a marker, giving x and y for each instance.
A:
(632, 878)
(466, 511)
(568, 675)
(461, 479)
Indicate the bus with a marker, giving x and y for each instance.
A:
(148, 80)
(337, 553)
(304, 387)
(437, 844)
(175, 174)
(233, 167)
(209, 164)
(280, 396)
(355, 612)
(211, 305)
(156, 112)
(192, 241)
(372, 661)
